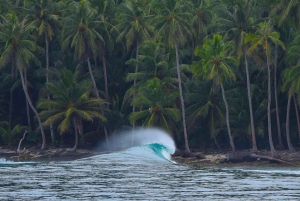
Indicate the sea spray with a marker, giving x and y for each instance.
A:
(142, 136)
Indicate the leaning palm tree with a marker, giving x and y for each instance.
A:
(236, 18)
(216, 64)
(262, 38)
(173, 24)
(44, 20)
(71, 103)
(80, 32)
(133, 28)
(291, 84)
(19, 48)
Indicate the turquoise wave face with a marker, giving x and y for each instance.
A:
(144, 144)
(154, 152)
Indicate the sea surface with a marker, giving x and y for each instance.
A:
(143, 172)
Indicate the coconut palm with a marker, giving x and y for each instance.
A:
(19, 51)
(80, 32)
(156, 104)
(172, 23)
(236, 18)
(263, 38)
(291, 82)
(205, 104)
(286, 9)
(216, 64)
(104, 10)
(71, 103)
(133, 28)
(44, 20)
(153, 64)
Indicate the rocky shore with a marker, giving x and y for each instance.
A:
(240, 158)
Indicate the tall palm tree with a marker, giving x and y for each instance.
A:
(19, 51)
(291, 84)
(216, 64)
(71, 103)
(133, 28)
(80, 32)
(202, 16)
(205, 104)
(104, 10)
(237, 19)
(286, 9)
(264, 35)
(153, 64)
(44, 20)
(173, 24)
(156, 104)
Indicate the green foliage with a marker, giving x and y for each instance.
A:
(70, 99)
(135, 49)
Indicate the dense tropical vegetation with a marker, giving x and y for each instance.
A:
(213, 73)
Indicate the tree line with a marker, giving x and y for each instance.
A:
(213, 73)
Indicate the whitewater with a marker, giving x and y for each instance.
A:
(142, 169)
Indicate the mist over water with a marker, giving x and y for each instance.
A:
(141, 136)
(142, 171)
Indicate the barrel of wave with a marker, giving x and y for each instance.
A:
(145, 136)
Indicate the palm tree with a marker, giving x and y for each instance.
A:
(153, 64)
(173, 24)
(80, 31)
(291, 84)
(44, 20)
(202, 16)
(104, 11)
(133, 28)
(204, 104)
(19, 52)
(156, 105)
(286, 9)
(262, 38)
(237, 19)
(215, 64)
(71, 103)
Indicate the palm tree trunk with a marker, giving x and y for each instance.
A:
(297, 115)
(11, 98)
(97, 94)
(287, 125)
(27, 106)
(76, 134)
(254, 146)
(134, 81)
(227, 119)
(44, 144)
(10, 110)
(47, 80)
(187, 148)
(105, 75)
(276, 101)
(273, 151)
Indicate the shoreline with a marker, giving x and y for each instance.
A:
(212, 159)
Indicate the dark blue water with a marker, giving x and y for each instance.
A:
(143, 173)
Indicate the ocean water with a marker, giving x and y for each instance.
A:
(143, 172)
